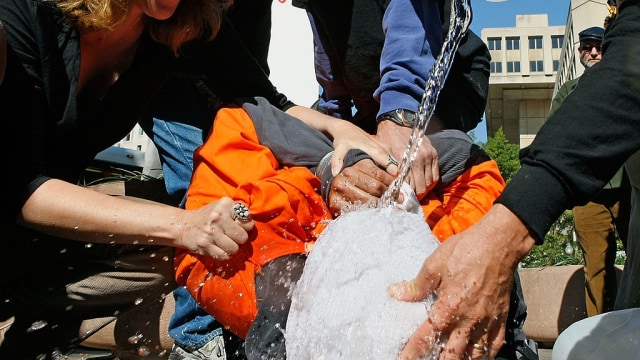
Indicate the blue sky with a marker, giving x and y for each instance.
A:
(502, 13)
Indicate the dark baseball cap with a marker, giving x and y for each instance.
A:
(592, 33)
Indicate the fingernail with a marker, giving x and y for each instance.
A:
(396, 290)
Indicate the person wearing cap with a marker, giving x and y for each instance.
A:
(607, 214)
(590, 53)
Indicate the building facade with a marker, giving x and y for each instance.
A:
(529, 63)
(524, 63)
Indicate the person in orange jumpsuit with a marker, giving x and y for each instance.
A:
(277, 166)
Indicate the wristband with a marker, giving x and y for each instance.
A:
(401, 117)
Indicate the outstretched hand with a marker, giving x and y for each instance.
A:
(472, 274)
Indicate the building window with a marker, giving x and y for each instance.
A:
(140, 131)
(536, 66)
(139, 147)
(128, 137)
(513, 43)
(496, 67)
(557, 41)
(535, 42)
(495, 43)
(513, 66)
(556, 65)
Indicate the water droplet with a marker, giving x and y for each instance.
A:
(88, 245)
(569, 249)
(37, 326)
(134, 339)
(138, 301)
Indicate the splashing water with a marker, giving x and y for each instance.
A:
(340, 308)
(134, 339)
(458, 25)
(143, 351)
(37, 325)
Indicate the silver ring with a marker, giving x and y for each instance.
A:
(391, 161)
(482, 347)
(240, 211)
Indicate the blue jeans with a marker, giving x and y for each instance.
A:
(191, 326)
(177, 123)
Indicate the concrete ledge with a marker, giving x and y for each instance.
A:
(151, 189)
(555, 299)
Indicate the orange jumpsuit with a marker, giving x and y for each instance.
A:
(288, 212)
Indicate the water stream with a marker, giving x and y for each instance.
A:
(458, 24)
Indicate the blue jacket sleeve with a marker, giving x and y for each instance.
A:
(413, 39)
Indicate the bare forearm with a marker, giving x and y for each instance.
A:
(70, 211)
(503, 233)
(313, 118)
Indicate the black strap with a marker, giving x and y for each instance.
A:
(3, 52)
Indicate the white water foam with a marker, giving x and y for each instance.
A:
(340, 307)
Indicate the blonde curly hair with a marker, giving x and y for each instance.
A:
(193, 19)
